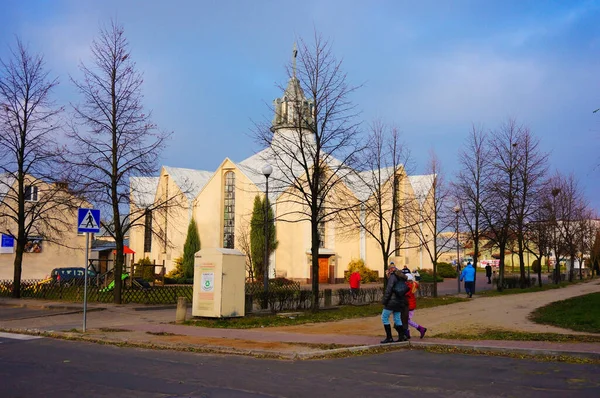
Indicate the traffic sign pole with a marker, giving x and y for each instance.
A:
(88, 221)
(85, 279)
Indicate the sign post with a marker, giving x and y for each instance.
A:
(88, 221)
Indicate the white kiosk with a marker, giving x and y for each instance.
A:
(219, 283)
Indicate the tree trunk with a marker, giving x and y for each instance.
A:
(119, 260)
(18, 267)
(435, 279)
(501, 268)
(541, 257)
(315, 263)
(386, 259)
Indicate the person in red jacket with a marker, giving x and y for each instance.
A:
(355, 284)
(412, 305)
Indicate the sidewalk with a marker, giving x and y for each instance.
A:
(152, 327)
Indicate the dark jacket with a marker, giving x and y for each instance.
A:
(488, 270)
(391, 301)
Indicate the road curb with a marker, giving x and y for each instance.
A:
(305, 355)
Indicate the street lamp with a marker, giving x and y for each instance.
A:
(266, 170)
(555, 192)
(457, 210)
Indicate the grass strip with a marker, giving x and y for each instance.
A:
(500, 334)
(299, 318)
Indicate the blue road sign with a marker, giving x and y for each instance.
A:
(88, 220)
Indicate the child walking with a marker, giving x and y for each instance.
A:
(412, 305)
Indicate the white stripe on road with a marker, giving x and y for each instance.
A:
(15, 336)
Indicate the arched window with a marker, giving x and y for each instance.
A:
(229, 211)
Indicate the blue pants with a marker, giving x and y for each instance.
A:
(469, 287)
(385, 317)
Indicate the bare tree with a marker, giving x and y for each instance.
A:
(500, 189)
(433, 217)
(114, 139)
(586, 227)
(570, 205)
(243, 242)
(538, 238)
(384, 205)
(470, 184)
(314, 141)
(33, 198)
(531, 172)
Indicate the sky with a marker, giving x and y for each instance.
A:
(431, 68)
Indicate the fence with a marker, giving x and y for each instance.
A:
(73, 291)
(283, 295)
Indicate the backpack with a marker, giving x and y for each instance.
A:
(400, 288)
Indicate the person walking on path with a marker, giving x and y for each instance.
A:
(488, 273)
(413, 286)
(468, 275)
(393, 303)
(355, 284)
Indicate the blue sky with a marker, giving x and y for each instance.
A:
(432, 68)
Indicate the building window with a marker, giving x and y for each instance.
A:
(321, 232)
(397, 236)
(31, 193)
(229, 211)
(148, 232)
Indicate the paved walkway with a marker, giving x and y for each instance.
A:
(154, 326)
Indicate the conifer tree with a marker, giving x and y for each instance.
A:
(257, 235)
(190, 248)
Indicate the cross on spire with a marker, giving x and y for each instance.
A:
(294, 55)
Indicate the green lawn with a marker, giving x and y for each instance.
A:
(299, 318)
(580, 313)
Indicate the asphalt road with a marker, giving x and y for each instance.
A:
(12, 313)
(54, 368)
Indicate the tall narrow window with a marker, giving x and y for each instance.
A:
(31, 193)
(397, 236)
(148, 232)
(229, 211)
(321, 231)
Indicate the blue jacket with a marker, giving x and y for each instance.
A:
(468, 274)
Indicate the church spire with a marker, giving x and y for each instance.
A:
(294, 55)
(293, 110)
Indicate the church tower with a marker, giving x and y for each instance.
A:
(293, 111)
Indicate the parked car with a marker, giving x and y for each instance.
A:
(71, 276)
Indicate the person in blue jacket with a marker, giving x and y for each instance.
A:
(468, 275)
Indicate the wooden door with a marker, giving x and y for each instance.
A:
(323, 270)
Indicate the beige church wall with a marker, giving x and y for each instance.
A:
(136, 236)
(347, 248)
(208, 208)
(291, 258)
(208, 212)
(175, 219)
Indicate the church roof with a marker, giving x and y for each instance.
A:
(143, 190)
(190, 181)
(421, 185)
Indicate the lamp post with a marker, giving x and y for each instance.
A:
(266, 170)
(555, 192)
(457, 210)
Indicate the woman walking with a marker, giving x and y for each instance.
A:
(394, 301)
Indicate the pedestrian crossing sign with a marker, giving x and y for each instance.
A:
(88, 220)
